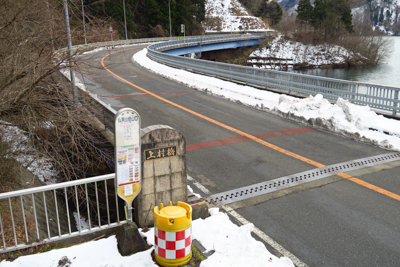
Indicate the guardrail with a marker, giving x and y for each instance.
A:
(91, 46)
(381, 97)
(43, 214)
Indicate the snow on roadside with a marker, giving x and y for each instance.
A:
(233, 246)
(358, 122)
(20, 150)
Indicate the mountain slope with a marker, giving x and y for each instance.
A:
(230, 15)
(381, 14)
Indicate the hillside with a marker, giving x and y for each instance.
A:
(378, 14)
(230, 16)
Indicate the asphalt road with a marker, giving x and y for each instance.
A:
(334, 222)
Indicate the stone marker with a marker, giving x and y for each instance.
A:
(164, 176)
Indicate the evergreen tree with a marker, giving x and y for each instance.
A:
(347, 19)
(274, 11)
(339, 19)
(115, 10)
(304, 12)
(199, 10)
(151, 16)
(319, 13)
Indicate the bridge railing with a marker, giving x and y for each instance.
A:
(39, 215)
(380, 97)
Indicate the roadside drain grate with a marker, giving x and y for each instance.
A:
(297, 179)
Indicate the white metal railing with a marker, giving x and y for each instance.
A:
(380, 97)
(39, 215)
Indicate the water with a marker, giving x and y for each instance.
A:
(387, 73)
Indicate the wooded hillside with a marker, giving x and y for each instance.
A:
(149, 18)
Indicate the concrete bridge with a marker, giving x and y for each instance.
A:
(198, 46)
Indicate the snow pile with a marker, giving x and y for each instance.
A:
(20, 150)
(233, 246)
(298, 53)
(358, 122)
(230, 15)
(103, 252)
(82, 220)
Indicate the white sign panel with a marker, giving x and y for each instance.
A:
(127, 154)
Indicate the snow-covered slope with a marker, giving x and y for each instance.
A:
(230, 15)
(296, 53)
(382, 14)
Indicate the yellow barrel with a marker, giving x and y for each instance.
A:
(173, 234)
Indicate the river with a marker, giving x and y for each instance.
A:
(387, 73)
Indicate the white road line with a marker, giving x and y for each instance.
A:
(199, 186)
(267, 239)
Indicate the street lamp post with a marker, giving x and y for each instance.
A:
(126, 32)
(74, 91)
(169, 8)
(84, 26)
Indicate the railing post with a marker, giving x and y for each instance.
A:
(395, 105)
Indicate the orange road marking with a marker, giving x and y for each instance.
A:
(140, 94)
(370, 186)
(93, 76)
(274, 147)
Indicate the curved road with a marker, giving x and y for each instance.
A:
(332, 222)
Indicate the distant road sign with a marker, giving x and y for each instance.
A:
(111, 29)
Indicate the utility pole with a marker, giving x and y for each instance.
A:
(51, 27)
(126, 32)
(84, 26)
(74, 92)
(169, 8)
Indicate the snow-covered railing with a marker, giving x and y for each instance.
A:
(380, 97)
(40, 215)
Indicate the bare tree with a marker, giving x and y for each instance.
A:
(32, 96)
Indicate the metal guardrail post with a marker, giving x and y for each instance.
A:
(395, 103)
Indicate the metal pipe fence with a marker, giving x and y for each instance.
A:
(39, 215)
(376, 96)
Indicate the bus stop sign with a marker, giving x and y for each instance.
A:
(127, 154)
